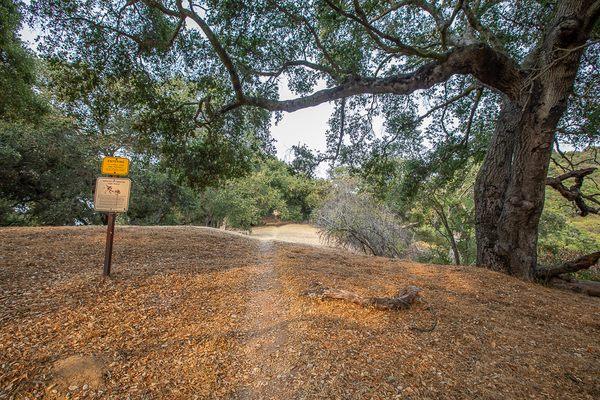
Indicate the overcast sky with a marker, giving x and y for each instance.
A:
(306, 126)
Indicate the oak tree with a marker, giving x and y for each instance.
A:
(517, 73)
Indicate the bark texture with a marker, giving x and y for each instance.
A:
(578, 264)
(590, 288)
(510, 185)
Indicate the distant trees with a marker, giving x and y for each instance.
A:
(244, 202)
(47, 173)
(46, 169)
(159, 198)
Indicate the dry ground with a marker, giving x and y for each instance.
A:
(198, 313)
(292, 233)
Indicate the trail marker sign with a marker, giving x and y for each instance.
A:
(115, 166)
(112, 194)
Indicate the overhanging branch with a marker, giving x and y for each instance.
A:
(490, 67)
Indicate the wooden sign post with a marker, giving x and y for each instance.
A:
(112, 196)
(110, 234)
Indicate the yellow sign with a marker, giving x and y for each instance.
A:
(115, 166)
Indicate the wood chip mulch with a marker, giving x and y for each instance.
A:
(196, 313)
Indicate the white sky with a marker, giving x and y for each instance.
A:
(306, 126)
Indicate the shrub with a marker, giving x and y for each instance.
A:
(355, 220)
(246, 201)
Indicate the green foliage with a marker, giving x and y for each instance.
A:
(17, 68)
(47, 174)
(157, 198)
(565, 235)
(439, 206)
(130, 85)
(305, 162)
(443, 217)
(560, 240)
(271, 187)
(431, 201)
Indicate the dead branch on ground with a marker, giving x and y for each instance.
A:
(402, 300)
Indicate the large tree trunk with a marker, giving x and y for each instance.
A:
(491, 184)
(509, 193)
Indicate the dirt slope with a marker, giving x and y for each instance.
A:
(199, 313)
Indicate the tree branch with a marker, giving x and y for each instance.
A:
(490, 67)
(402, 300)
(446, 103)
(295, 63)
(574, 192)
(377, 35)
(335, 70)
(472, 115)
(578, 264)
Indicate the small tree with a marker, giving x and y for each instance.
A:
(244, 202)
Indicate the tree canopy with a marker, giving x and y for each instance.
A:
(496, 83)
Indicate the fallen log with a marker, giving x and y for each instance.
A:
(402, 300)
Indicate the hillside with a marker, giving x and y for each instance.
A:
(200, 313)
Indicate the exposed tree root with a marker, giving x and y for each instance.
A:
(557, 277)
(583, 262)
(402, 300)
(591, 288)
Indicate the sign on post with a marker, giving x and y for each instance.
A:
(115, 166)
(112, 194)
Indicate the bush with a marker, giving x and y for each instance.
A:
(158, 198)
(355, 220)
(246, 201)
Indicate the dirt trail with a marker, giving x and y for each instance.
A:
(292, 233)
(266, 320)
(200, 313)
